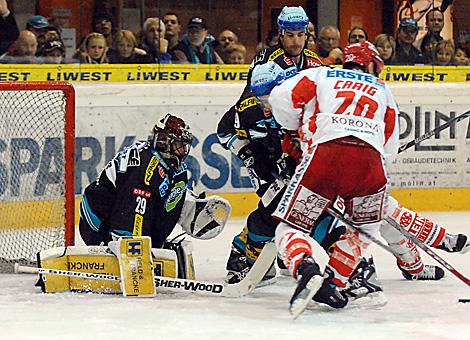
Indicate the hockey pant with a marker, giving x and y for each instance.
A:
(261, 227)
(358, 177)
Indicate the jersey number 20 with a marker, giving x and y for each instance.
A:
(365, 106)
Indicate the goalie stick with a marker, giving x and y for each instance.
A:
(168, 284)
(431, 133)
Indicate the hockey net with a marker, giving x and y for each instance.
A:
(37, 132)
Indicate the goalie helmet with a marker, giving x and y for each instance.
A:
(293, 19)
(266, 76)
(362, 54)
(172, 140)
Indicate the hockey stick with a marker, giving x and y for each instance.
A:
(374, 239)
(398, 227)
(168, 284)
(427, 250)
(431, 133)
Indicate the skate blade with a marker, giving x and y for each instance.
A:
(301, 303)
(267, 282)
(465, 248)
(372, 300)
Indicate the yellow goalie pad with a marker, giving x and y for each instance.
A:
(100, 260)
(136, 265)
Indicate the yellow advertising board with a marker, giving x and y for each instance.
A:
(198, 73)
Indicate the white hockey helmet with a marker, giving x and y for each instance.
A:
(293, 19)
(266, 76)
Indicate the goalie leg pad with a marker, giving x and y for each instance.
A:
(183, 252)
(89, 259)
(100, 260)
(136, 265)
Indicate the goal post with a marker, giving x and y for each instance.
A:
(37, 148)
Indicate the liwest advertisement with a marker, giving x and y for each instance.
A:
(112, 116)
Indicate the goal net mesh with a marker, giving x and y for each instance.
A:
(32, 173)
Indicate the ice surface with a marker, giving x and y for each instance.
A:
(415, 310)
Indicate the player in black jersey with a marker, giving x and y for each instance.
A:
(291, 53)
(143, 191)
(250, 132)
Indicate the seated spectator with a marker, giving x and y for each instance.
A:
(460, 57)
(125, 50)
(328, 46)
(9, 31)
(153, 40)
(104, 23)
(38, 25)
(52, 33)
(406, 53)
(172, 29)
(53, 52)
(386, 46)
(428, 48)
(193, 48)
(312, 38)
(272, 39)
(463, 41)
(434, 26)
(93, 49)
(236, 54)
(22, 51)
(223, 43)
(357, 34)
(445, 51)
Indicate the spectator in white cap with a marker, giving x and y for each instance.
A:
(193, 48)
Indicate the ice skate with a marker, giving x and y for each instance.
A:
(430, 272)
(363, 280)
(238, 266)
(329, 293)
(309, 281)
(455, 243)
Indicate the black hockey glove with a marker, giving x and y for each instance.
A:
(257, 157)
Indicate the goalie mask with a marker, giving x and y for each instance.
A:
(172, 140)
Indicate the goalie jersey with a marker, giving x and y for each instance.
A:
(135, 194)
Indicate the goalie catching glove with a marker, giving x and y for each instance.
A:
(204, 217)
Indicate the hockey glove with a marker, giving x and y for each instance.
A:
(255, 156)
(291, 146)
(204, 218)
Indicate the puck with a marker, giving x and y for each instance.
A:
(464, 300)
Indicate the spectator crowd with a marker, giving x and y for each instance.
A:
(167, 40)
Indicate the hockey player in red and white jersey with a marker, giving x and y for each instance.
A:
(348, 124)
(308, 100)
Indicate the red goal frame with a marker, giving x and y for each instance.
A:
(69, 144)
